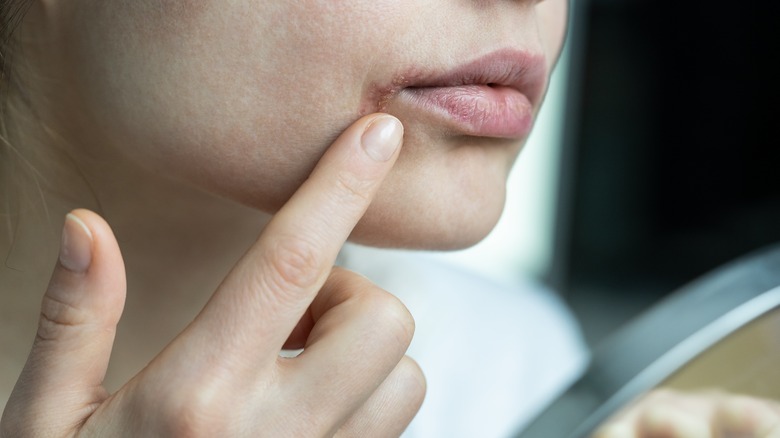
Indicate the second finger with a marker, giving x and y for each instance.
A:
(391, 407)
(361, 333)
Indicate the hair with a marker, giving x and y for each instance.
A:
(12, 101)
(11, 14)
(38, 176)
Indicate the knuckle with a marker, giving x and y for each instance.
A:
(353, 189)
(340, 279)
(292, 263)
(196, 413)
(57, 318)
(393, 317)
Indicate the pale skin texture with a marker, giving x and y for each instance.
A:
(191, 122)
(666, 413)
(200, 84)
(224, 368)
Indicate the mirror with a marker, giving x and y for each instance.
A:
(709, 352)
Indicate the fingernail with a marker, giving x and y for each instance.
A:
(382, 137)
(76, 246)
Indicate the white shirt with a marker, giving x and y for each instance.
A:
(493, 355)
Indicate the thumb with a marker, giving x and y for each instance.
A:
(61, 383)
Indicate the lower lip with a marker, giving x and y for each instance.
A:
(478, 110)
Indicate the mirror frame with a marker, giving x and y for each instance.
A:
(652, 347)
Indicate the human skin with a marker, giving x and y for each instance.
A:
(241, 99)
(156, 102)
(666, 413)
(173, 111)
(223, 376)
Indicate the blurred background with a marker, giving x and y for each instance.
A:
(655, 159)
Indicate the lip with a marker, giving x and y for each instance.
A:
(492, 96)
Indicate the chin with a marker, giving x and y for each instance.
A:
(436, 225)
(439, 196)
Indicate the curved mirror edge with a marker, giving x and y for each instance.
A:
(678, 330)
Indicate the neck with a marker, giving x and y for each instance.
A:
(177, 242)
(178, 245)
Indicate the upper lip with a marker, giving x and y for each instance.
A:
(521, 70)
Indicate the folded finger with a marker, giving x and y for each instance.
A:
(391, 408)
(360, 334)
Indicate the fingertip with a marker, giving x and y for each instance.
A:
(75, 218)
(90, 262)
(104, 246)
(92, 222)
(76, 245)
(417, 384)
(382, 137)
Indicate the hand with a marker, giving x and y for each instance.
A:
(223, 376)
(667, 413)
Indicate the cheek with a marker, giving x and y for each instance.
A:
(212, 95)
(442, 194)
(553, 19)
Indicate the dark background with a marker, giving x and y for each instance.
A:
(671, 156)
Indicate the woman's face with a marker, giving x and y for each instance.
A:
(242, 97)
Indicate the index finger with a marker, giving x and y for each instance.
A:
(262, 299)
